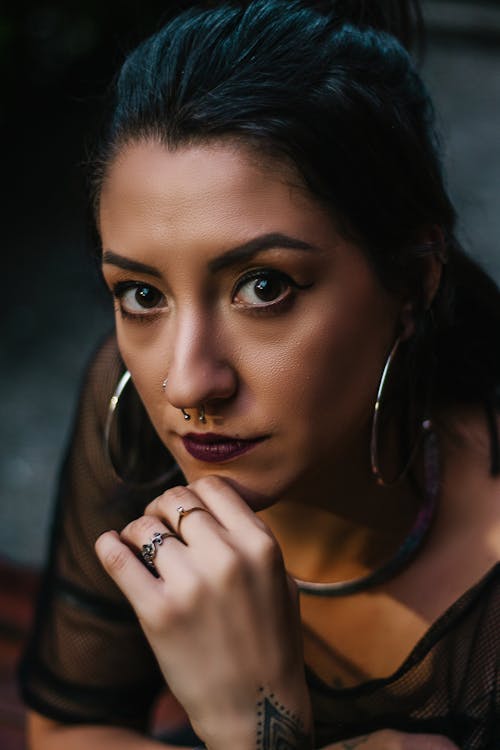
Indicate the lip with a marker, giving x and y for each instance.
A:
(213, 448)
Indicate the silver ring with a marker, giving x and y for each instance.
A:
(148, 551)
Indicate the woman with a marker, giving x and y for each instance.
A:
(315, 353)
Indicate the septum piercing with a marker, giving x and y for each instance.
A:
(201, 414)
(185, 414)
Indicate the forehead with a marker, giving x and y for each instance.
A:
(201, 185)
(184, 173)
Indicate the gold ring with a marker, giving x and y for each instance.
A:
(183, 512)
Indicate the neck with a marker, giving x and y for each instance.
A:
(345, 524)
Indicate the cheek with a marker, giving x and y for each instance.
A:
(326, 369)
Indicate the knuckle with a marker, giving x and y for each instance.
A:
(212, 482)
(189, 600)
(152, 507)
(140, 529)
(216, 482)
(230, 570)
(171, 499)
(115, 559)
(161, 619)
(265, 552)
(263, 527)
(174, 493)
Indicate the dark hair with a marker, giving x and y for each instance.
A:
(344, 104)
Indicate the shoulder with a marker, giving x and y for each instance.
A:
(464, 544)
(470, 484)
(466, 536)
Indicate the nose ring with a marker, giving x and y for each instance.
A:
(185, 414)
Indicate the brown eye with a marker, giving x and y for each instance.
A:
(147, 296)
(263, 288)
(268, 289)
(138, 299)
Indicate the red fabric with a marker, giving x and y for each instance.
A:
(18, 588)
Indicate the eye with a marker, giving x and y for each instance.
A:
(263, 288)
(138, 299)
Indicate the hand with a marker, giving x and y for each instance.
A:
(222, 618)
(388, 739)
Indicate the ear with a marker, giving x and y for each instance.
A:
(407, 321)
(432, 271)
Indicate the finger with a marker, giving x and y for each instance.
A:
(184, 511)
(225, 503)
(247, 532)
(129, 574)
(159, 547)
(213, 558)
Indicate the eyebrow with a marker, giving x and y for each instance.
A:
(127, 264)
(256, 245)
(236, 254)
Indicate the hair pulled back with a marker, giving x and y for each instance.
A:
(328, 88)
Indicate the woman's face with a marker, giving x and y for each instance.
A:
(235, 285)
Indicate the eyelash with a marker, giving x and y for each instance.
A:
(120, 289)
(268, 274)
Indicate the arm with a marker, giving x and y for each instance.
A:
(388, 739)
(45, 734)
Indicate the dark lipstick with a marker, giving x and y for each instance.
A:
(217, 448)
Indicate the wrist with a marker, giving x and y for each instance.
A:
(284, 721)
(274, 723)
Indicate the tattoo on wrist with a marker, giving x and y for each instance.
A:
(277, 727)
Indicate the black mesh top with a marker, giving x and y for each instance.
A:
(88, 661)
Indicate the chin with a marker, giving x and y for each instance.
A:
(254, 498)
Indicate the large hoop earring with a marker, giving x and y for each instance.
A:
(164, 478)
(425, 426)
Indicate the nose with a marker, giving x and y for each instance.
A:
(200, 372)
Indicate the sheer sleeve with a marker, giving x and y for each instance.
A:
(87, 660)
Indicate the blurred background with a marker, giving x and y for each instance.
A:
(56, 60)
